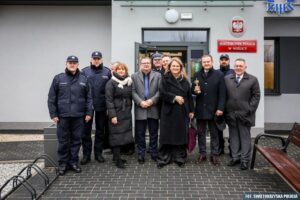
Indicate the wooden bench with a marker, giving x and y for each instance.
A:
(285, 166)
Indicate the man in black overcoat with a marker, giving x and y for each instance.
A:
(209, 88)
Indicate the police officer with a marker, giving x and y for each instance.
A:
(70, 106)
(98, 75)
(157, 64)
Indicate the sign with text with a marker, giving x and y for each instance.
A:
(242, 46)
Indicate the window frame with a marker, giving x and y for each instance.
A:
(175, 29)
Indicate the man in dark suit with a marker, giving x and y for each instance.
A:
(243, 95)
(208, 85)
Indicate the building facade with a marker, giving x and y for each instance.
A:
(36, 39)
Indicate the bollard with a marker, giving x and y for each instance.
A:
(50, 144)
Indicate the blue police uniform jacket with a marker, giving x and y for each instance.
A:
(226, 70)
(97, 77)
(70, 96)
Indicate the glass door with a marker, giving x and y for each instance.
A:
(190, 55)
(142, 50)
(194, 56)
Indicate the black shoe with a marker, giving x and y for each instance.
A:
(62, 170)
(244, 166)
(120, 164)
(123, 160)
(221, 152)
(99, 158)
(141, 160)
(181, 165)
(75, 168)
(128, 152)
(160, 165)
(154, 158)
(233, 162)
(85, 160)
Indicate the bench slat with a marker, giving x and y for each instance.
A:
(295, 135)
(285, 165)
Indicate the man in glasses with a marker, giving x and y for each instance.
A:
(145, 94)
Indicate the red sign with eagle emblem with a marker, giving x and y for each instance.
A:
(243, 46)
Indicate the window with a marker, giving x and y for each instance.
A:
(271, 64)
(175, 35)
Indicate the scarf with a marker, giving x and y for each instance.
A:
(122, 81)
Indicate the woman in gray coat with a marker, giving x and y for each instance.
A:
(118, 94)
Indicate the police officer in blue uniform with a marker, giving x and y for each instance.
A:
(70, 106)
(157, 64)
(98, 75)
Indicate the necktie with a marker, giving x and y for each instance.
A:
(146, 86)
(237, 79)
(205, 73)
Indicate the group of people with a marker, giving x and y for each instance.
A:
(164, 101)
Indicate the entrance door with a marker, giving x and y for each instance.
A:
(142, 50)
(189, 55)
(194, 55)
(173, 51)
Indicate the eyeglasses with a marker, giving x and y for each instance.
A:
(146, 63)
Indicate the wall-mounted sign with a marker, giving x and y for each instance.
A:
(280, 8)
(242, 46)
(186, 16)
(237, 26)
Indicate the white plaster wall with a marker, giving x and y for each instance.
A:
(34, 43)
(282, 109)
(127, 25)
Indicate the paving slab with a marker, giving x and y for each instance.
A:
(194, 181)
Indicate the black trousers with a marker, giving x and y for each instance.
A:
(69, 133)
(116, 153)
(172, 153)
(221, 141)
(214, 137)
(141, 126)
(100, 121)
